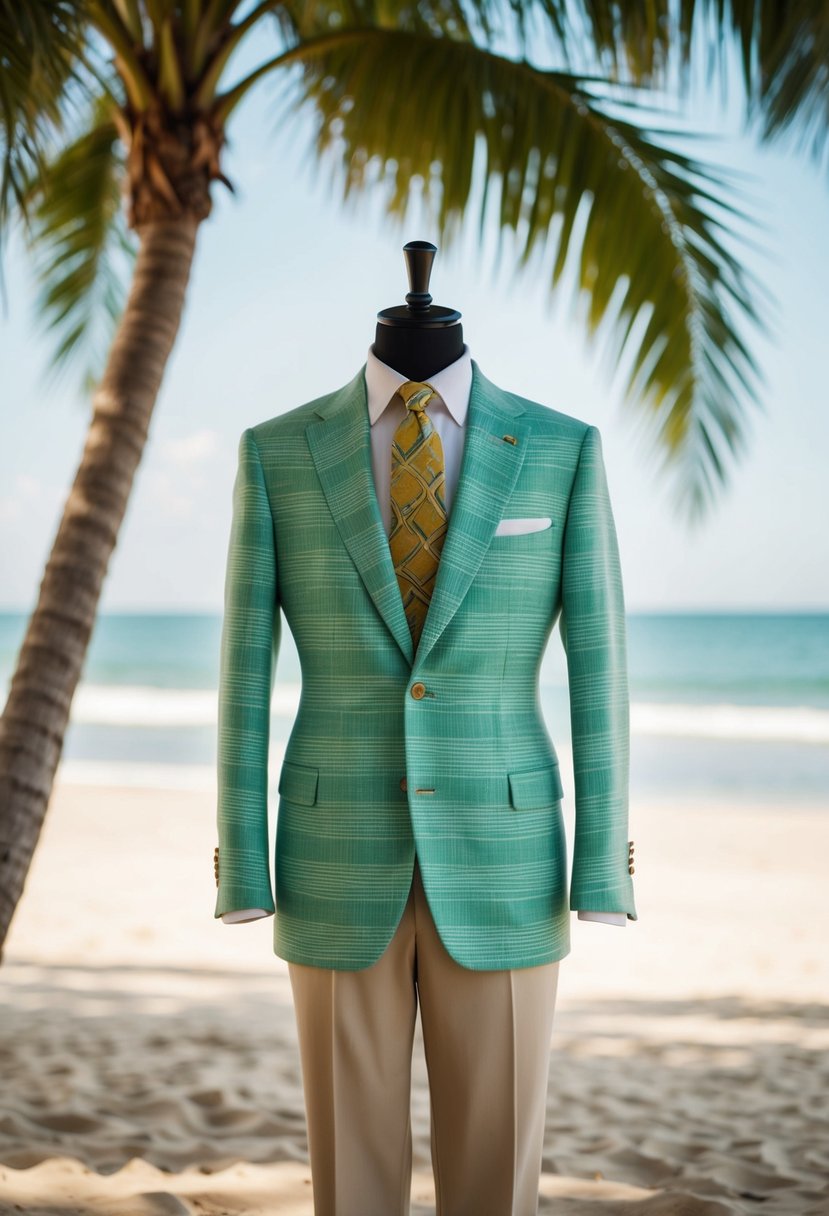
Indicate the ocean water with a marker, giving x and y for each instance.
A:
(725, 706)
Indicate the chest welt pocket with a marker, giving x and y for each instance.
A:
(537, 788)
(298, 782)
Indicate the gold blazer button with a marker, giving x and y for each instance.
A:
(418, 690)
(404, 785)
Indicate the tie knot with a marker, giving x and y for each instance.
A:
(416, 394)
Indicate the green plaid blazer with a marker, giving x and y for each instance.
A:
(443, 754)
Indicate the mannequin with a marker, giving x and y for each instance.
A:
(420, 338)
(420, 851)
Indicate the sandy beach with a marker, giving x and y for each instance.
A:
(149, 1057)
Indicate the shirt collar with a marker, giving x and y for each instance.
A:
(453, 383)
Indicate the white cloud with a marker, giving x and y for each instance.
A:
(190, 451)
(28, 492)
(177, 473)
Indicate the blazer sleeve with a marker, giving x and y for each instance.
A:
(593, 634)
(249, 649)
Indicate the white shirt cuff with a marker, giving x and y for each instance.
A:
(243, 914)
(609, 918)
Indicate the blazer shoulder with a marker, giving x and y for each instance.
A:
(547, 418)
(294, 421)
(559, 435)
(291, 422)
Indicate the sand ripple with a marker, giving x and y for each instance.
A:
(656, 1107)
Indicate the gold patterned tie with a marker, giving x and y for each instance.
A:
(419, 520)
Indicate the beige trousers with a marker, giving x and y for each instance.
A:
(486, 1040)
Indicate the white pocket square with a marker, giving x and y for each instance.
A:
(515, 527)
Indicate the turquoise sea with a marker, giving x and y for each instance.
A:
(724, 706)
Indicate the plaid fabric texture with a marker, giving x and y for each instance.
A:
(443, 752)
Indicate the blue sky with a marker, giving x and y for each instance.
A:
(282, 306)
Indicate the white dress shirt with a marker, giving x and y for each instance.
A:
(448, 415)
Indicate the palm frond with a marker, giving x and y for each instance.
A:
(82, 251)
(635, 218)
(630, 41)
(782, 48)
(792, 93)
(41, 44)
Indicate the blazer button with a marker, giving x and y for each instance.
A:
(403, 784)
(418, 690)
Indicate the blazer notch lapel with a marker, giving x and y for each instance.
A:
(490, 465)
(340, 445)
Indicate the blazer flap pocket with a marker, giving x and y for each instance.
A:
(298, 782)
(538, 788)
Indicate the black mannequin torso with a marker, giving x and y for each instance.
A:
(420, 338)
(418, 352)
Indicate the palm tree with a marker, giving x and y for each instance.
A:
(104, 98)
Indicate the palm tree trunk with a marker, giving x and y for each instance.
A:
(54, 648)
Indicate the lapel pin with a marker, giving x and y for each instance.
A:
(509, 438)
